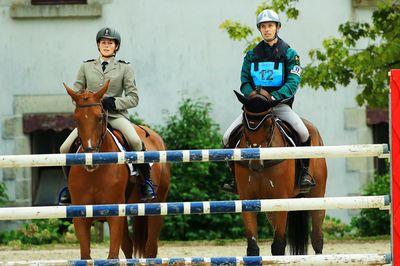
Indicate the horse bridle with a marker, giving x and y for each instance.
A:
(265, 116)
(104, 121)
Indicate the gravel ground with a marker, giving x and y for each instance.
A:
(187, 249)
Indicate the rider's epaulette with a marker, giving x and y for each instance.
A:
(123, 62)
(89, 60)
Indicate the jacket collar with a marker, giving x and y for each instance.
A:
(111, 65)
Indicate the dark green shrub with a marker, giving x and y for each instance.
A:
(37, 232)
(373, 222)
(335, 228)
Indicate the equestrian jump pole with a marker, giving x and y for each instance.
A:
(342, 259)
(37, 160)
(204, 207)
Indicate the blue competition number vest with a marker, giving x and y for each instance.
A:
(268, 68)
(267, 74)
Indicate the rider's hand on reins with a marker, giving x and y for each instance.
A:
(108, 103)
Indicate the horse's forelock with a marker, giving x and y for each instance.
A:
(86, 96)
(258, 104)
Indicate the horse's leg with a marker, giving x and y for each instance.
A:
(116, 225)
(154, 224)
(317, 237)
(126, 244)
(82, 232)
(317, 216)
(250, 223)
(278, 221)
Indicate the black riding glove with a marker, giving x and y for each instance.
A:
(109, 103)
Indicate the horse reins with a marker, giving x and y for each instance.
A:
(104, 122)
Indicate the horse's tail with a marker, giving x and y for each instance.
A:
(139, 235)
(298, 231)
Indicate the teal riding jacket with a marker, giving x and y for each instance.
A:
(292, 71)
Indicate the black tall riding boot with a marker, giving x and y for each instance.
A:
(230, 184)
(65, 197)
(307, 181)
(147, 188)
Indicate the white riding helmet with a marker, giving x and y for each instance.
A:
(268, 15)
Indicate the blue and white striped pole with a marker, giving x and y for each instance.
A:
(339, 259)
(366, 150)
(205, 207)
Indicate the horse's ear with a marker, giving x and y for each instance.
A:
(241, 98)
(103, 90)
(71, 92)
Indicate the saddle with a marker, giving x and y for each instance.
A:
(291, 139)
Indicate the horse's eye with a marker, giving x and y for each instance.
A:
(100, 119)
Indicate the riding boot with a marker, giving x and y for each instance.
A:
(307, 181)
(230, 184)
(147, 188)
(65, 197)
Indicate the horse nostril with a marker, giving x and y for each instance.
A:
(89, 149)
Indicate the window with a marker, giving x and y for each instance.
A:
(56, 9)
(378, 120)
(57, 2)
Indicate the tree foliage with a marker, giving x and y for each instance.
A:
(374, 222)
(364, 52)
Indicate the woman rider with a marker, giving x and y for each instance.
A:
(92, 75)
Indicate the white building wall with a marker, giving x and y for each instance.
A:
(177, 49)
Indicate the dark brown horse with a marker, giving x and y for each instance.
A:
(110, 184)
(277, 180)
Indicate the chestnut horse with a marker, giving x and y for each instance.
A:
(276, 179)
(110, 184)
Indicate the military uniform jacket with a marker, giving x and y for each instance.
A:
(122, 83)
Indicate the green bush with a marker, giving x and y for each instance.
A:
(3, 194)
(37, 232)
(193, 128)
(374, 222)
(335, 228)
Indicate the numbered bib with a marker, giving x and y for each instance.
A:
(266, 74)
